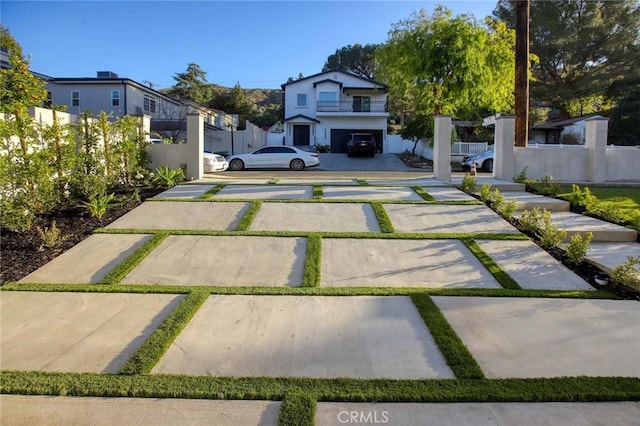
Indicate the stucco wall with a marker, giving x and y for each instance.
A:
(564, 164)
(623, 163)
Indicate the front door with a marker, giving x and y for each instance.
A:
(301, 134)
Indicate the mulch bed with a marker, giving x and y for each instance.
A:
(22, 252)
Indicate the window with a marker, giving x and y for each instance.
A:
(115, 98)
(49, 100)
(75, 98)
(328, 98)
(301, 100)
(361, 104)
(149, 104)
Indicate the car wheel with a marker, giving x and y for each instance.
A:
(297, 165)
(236, 165)
(488, 166)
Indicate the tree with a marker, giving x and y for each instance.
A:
(583, 47)
(448, 65)
(9, 43)
(358, 59)
(191, 84)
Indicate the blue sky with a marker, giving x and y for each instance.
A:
(258, 43)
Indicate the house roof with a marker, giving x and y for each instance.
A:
(327, 80)
(333, 72)
(560, 124)
(301, 116)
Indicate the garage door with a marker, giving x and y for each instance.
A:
(340, 137)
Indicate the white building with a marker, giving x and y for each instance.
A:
(325, 108)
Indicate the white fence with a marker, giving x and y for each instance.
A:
(397, 145)
(244, 141)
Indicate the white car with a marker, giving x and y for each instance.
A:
(214, 163)
(279, 157)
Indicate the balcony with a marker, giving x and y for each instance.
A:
(352, 106)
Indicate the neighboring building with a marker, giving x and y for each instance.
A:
(567, 132)
(114, 95)
(326, 108)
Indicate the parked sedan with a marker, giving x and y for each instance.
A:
(278, 157)
(483, 161)
(214, 163)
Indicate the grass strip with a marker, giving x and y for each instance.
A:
(119, 272)
(421, 192)
(498, 273)
(210, 193)
(458, 357)
(310, 291)
(326, 234)
(249, 216)
(569, 389)
(318, 192)
(297, 409)
(384, 221)
(274, 181)
(313, 262)
(157, 344)
(362, 182)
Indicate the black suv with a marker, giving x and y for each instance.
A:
(361, 143)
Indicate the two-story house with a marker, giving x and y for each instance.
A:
(326, 108)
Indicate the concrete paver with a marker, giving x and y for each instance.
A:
(371, 193)
(343, 217)
(306, 336)
(183, 215)
(528, 201)
(446, 218)
(531, 266)
(502, 185)
(229, 261)
(401, 263)
(60, 410)
(607, 256)
(525, 337)
(317, 181)
(230, 179)
(602, 231)
(89, 261)
(265, 192)
(186, 191)
(77, 332)
(448, 194)
(479, 414)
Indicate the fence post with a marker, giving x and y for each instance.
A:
(596, 142)
(195, 146)
(503, 155)
(145, 127)
(442, 148)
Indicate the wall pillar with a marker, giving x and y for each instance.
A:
(145, 127)
(195, 147)
(503, 156)
(596, 142)
(442, 148)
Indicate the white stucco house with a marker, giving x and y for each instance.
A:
(325, 108)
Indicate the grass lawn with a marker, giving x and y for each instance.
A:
(625, 198)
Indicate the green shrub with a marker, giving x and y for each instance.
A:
(164, 177)
(468, 184)
(578, 248)
(485, 192)
(547, 186)
(508, 209)
(16, 217)
(99, 205)
(496, 200)
(530, 220)
(521, 177)
(88, 186)
(548, 233)
(627, 274)
(611, 213)
(323, 148)
(51, 236)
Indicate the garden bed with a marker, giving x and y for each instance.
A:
(23, 253)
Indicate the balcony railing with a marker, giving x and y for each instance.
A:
(352, 106)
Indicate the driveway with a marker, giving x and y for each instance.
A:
(381, 162)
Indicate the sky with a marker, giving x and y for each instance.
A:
(259, 44)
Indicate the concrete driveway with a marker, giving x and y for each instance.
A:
(381, 162)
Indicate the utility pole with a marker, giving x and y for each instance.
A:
(522, 73)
